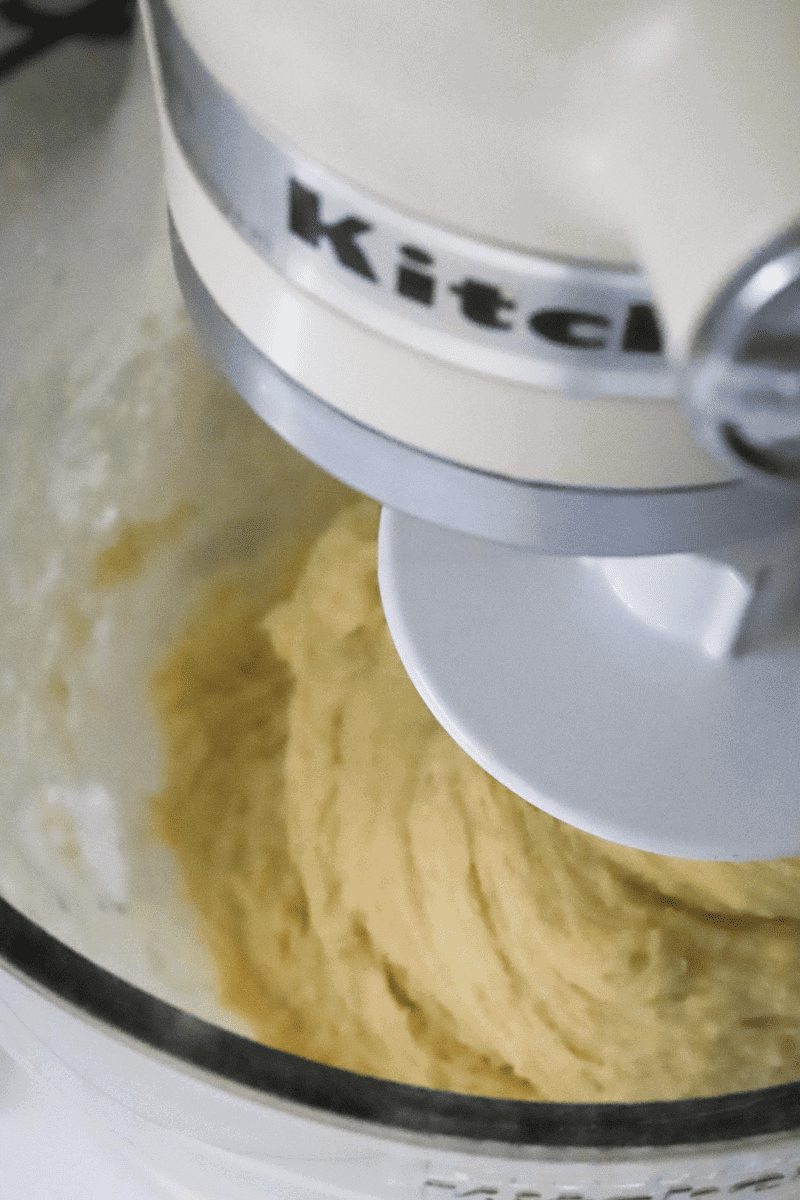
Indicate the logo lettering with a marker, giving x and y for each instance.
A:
(445, 1189)
(413, 283)
(763, 1183)
(559, 325)
(304, 220)
(642, 335)
(480, 302)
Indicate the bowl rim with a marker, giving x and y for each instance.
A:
(399, 1108)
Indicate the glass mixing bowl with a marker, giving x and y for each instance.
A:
(111, 414)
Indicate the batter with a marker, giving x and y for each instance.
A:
(375, 901)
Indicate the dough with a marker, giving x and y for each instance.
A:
(376, 901)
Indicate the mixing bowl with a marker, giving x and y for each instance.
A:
(114, 423)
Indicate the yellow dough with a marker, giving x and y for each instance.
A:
(376, 901)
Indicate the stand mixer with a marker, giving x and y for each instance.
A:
(534, 282)
(475, 474)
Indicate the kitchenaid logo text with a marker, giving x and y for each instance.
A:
(445, 1189)
(481, 302)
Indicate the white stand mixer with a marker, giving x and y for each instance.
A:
(414, 240)
(215, 1113)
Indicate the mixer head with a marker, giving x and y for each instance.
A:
(536, 289)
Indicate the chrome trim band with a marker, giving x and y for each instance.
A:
(542, 517)
(578, 327)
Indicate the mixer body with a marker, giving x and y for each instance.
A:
(477, 245)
